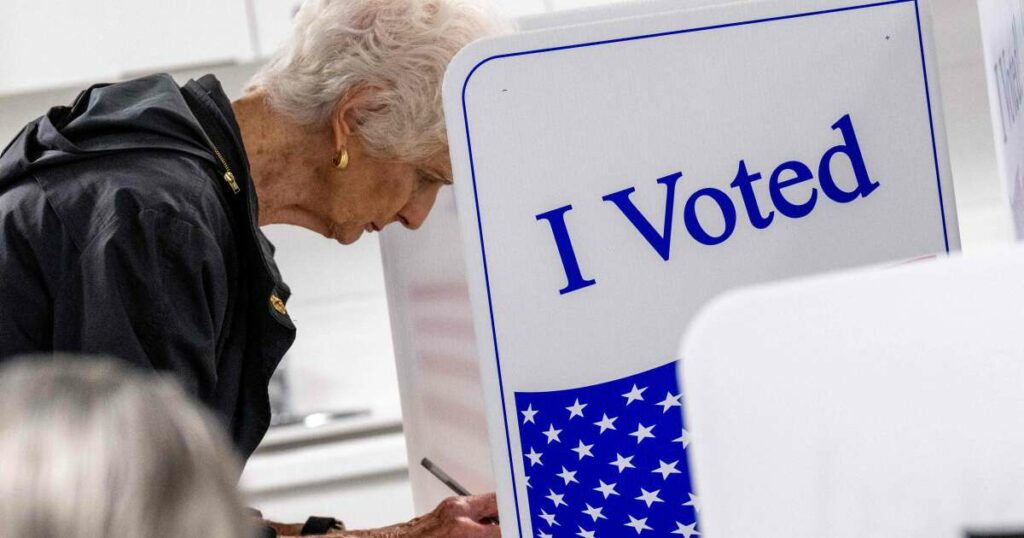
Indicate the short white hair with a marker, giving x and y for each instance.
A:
(92, 449)
(400, 48)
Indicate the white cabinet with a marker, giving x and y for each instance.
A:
(342, 358)
(56, 43)
(340, 470)
(273, 20)
(155, 34)
(46, 44)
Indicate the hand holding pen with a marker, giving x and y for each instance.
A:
(455, 517)
(488, 518)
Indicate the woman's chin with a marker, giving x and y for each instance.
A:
(347, 238)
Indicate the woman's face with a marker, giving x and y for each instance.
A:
(372, 193)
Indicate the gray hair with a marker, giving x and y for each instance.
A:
(400, 48)
(91, 449)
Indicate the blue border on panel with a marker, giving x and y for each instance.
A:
(476, 200)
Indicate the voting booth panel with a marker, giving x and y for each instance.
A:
(1002, 31)
(428, 298)
(435, 352)
(864, 405)
(612, 177)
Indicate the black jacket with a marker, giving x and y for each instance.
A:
(119, 235)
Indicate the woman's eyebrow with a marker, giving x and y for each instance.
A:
(434, 176)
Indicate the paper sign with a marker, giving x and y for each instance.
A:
(612, 177)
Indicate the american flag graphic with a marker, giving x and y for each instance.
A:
(608, 460)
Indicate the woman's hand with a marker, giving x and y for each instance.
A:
(455, 517)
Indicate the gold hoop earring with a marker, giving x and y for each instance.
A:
(341, 159)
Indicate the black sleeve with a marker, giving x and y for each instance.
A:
(28, 270)
(151, 289)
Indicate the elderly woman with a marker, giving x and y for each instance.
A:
(129, 220)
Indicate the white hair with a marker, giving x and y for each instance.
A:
(399, 48)
(91, 449)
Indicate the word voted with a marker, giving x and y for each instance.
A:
(785, 176)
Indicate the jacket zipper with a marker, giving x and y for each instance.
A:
(229, 177)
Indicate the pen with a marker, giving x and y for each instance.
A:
(443, 477)
(451, 483)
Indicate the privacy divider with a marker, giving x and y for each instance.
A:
(612, 177)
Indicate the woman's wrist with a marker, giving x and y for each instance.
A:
(282, 529)
(314, 526)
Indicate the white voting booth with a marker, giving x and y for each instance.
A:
(872, 404)
(1002, 31)
(612, 177)
(432, 326)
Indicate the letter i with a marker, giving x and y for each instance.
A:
(556, 218)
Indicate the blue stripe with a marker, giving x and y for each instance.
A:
(931, 124)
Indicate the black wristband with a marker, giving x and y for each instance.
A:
(320, 525)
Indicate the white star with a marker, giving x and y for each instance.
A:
(527, 481)
(585, 534)
(686, 530)
(534, 457)
(669, 402)
(622, 463)
(552, 434)
(649, 497)
(635, 394)
(685, 438)
(528, 414)
(550, 518)
(639, 524)
(576, 409)
(694, 502)
(666, 469)
(545, 535)
(583, 450)
(606, 423)
(555, 498)
(569, 476)
(643, 432)
(606, 489)
(594, 513)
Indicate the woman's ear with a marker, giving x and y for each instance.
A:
(344, 119)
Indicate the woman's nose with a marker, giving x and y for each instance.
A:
(415, 213)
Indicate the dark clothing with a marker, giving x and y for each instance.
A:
(120, 236)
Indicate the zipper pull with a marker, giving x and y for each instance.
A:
(229, 178)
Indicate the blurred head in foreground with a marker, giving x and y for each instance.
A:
(91, 449)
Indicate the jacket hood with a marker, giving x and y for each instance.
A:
(145, 113)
